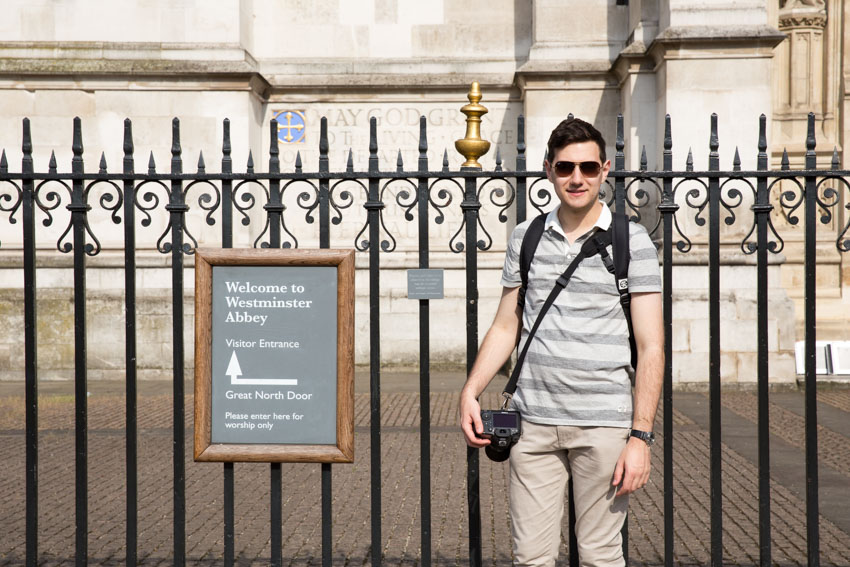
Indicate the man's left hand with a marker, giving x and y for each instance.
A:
(632, 470)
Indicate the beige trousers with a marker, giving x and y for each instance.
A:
(541, 463)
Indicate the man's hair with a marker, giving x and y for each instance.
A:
(572, 131)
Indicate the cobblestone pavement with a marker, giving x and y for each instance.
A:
(400, 486)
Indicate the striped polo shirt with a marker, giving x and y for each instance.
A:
(578, 367)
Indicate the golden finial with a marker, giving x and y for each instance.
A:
(472, 146)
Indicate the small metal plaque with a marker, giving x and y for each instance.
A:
(425, 284)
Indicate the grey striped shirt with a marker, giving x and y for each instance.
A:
(577, 370)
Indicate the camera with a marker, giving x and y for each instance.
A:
(503, 429)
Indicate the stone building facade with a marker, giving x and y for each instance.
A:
(394, 60)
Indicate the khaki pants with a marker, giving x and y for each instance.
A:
(541, 462)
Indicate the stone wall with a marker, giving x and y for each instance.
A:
(394, 60)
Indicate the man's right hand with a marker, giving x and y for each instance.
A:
(470, 420)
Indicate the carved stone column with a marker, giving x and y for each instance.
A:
(799, 67)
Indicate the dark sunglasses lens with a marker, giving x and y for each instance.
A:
(564, 168)
(587, 168)
(590, 168)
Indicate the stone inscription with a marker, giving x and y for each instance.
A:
(398, 129)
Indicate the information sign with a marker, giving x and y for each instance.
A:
(274, 355)
(425, 284)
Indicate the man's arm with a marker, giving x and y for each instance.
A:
(498, 344)
(632, 471)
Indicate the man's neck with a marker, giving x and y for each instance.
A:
(576, 223)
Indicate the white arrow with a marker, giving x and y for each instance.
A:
(234, 371)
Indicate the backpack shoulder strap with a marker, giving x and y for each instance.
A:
(594, 245)
(530, 240)
(620, 246)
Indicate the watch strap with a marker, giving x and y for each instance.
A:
(647, 437)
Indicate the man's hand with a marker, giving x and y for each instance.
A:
(632, 470)
(498, 344)
(470, 420)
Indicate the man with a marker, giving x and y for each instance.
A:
(574, 391)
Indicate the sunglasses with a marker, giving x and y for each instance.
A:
(587, 168)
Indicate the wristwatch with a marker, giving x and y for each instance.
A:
(647, 437)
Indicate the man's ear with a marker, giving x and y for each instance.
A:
(606, 167)
(548, 168)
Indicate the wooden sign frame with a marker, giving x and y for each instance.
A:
(205, 450)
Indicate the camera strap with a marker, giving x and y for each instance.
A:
(596, 243)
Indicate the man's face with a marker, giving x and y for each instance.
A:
(577, 173)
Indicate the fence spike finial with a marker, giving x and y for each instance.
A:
(324, 145)
(668, 134)
(51, 165)
(785, 163)
(762, 133)
(298, 165)
(225, 138)
(151, 165)
(445, 159)
(621, 142)
(349, 164)
(77, 146)
(399, 162)
(176, 148)
(373, 144)
(423, 137)
(4, 165)
(689, 162)
(810, 133)
(643, 160)
(713, 142)
(423, 144)
(520, 135)
(736, 161)
(498, 158)
(128, 138)
(250, 165)
(273, 133)
(102, 162)
(836, 163)
(26, 141)
(570, 116)
(202, 168)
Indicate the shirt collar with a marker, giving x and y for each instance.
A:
(602, 223)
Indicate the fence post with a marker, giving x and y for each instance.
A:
(812, 529)
(228, 471)
(424, 356)
(131, 435)
(177, 209)
(714, 348)
(762, 209)
(373, 210)
(668, 208)
(30, 345)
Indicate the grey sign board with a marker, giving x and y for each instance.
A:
(274, 364)
(425, 284)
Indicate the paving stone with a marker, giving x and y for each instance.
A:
(400, 490)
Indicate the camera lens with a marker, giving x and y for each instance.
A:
(497, 454)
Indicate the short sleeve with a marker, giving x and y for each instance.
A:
(510, 271)
(644, 271)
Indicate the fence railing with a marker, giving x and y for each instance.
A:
(670, 202)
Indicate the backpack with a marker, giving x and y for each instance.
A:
(617, 236)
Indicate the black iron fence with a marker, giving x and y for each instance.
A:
(666, 200)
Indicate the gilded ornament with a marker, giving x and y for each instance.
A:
(472, 146)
